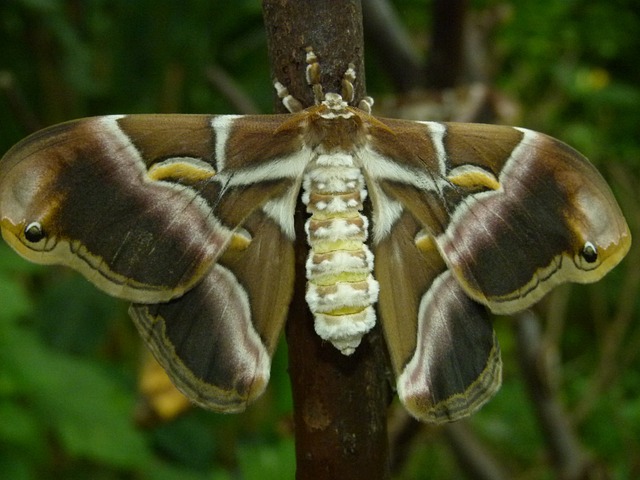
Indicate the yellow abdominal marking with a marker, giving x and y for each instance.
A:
(345, 311)
(335, 245)
(320, 215)
(350, 277)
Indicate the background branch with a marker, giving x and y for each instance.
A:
(566, 453)
(229, 88)
(445, 63)
(394, 49)
(472, 455)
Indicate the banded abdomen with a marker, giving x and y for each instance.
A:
(341, 289)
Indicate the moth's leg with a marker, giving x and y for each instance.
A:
(348, 92)
(366, 104)
(313, 76)
(289, 101)
(347, 84)
(313, 80)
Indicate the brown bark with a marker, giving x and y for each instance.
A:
(339, 402)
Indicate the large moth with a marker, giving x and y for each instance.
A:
(191, 218)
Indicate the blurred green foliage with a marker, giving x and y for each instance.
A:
(69, 355)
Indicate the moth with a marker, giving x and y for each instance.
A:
(424, 227)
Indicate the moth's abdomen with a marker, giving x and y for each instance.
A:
(341, 289)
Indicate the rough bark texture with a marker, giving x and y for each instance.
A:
(339, 402)
(332, 28)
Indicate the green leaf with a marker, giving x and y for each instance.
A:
(162, 471)
(74, 316)
(15, 467)
(268, 461)
(88, 409)
(187, 441)
(14, 300)
(19, 428)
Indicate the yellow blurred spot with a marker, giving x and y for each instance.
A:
(162, 400)
(425, 242)
(592, 79)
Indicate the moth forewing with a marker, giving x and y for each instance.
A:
(509, 246)
(101, 213)
(511, 212)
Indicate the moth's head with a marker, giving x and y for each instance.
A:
(27, 201)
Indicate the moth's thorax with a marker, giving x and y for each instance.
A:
(341, 289)
(335, 129)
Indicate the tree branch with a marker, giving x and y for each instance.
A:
(339, 402)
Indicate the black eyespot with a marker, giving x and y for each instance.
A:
(33, 233)
(589, 252)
